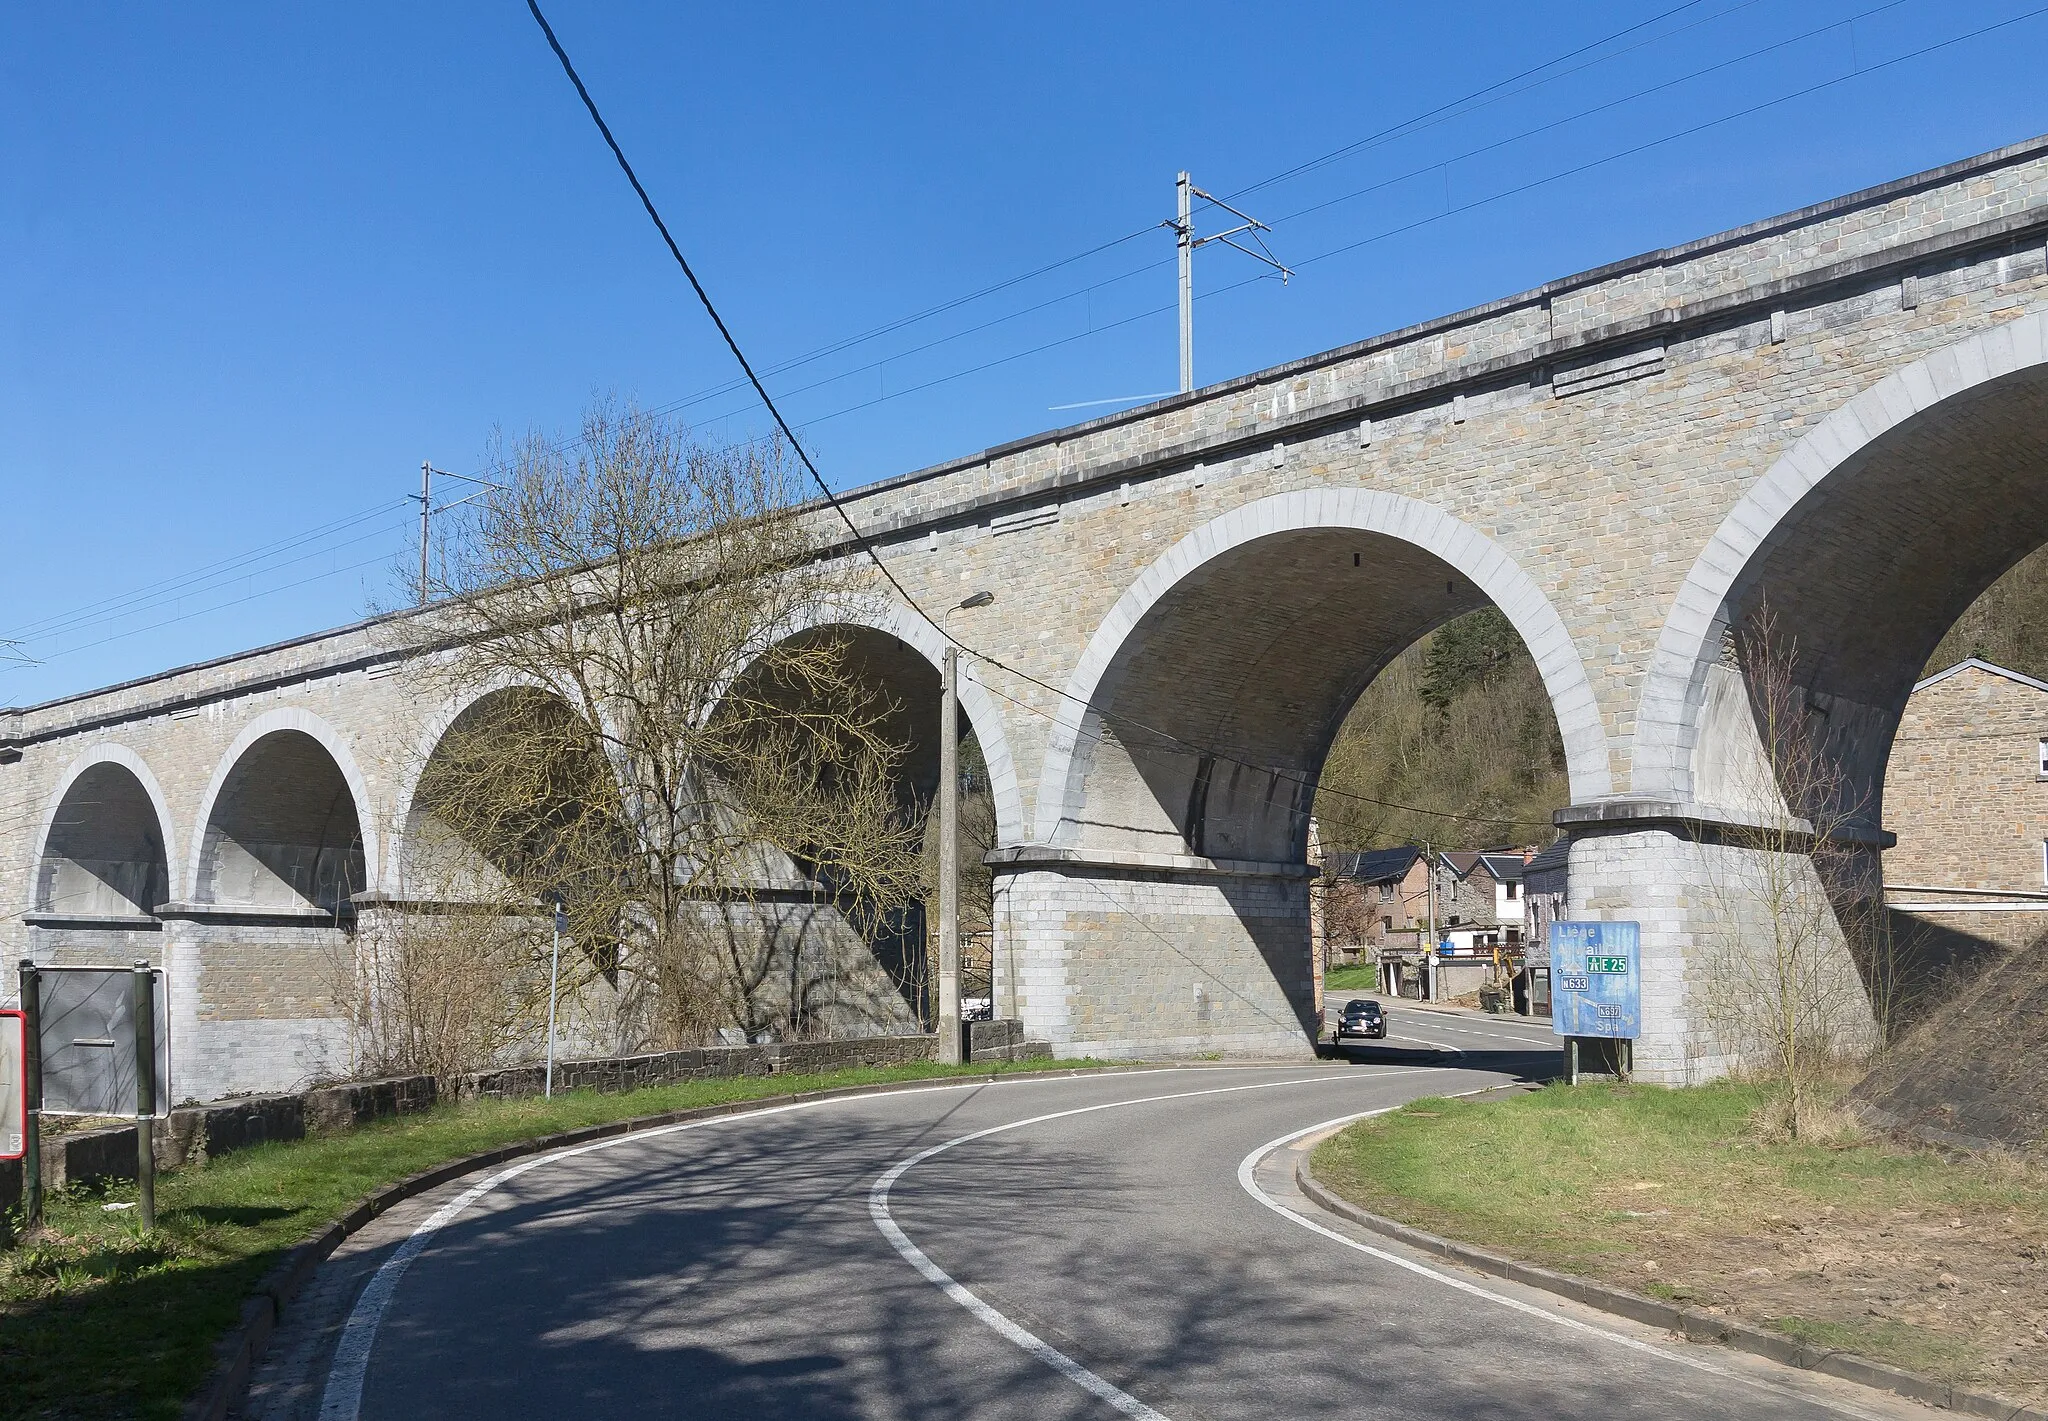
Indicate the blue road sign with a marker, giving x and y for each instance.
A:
(1596, 980)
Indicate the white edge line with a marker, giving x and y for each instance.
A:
(1250, 1185)
(342, 1398)
(1029, 1342)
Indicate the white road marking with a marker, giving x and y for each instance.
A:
(1250, 1185)
(1003, 1326)
(342, 1400)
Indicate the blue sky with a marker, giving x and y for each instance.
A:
(257, 262)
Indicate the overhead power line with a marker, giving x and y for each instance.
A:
(1491, 93)
(825, 489)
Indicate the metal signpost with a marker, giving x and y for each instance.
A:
(98, 1043)
(1596, 986)
(554, 981)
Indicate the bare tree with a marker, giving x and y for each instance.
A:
(667, 734)
(1793, 884)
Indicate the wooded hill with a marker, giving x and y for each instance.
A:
(1459, 723)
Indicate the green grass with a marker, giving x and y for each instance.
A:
(1899, 1343)
(96, 1321)
(1679, 1193)
(1362, 978)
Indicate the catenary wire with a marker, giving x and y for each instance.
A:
(825, 489)
(1421, 222)
(867, 547)
(1407, 128)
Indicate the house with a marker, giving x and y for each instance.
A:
(1374, 900)
(1966, 792)
(1488, 933)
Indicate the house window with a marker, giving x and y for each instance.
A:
(2044, 863)
(1387, 889)
(2044, 759)
(1514, 890)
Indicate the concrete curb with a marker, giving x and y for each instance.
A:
(236, 1354)
(1688, 1323)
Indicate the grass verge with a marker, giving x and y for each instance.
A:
(99, 1321)
(1364, 977)
(1929, 1261)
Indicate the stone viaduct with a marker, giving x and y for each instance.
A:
(1842, 410)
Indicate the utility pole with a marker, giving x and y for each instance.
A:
(427, 509)
(1185, 241)
(1429, 952)
(426, 512)
(142, 998)
(949, 859)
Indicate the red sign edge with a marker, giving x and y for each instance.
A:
(21, 1027)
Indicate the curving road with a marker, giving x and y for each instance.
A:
(1082, 1247)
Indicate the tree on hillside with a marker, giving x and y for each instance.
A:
(1458, 722)
(656, 741)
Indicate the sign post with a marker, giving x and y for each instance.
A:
(1596, 993)
(554, 982)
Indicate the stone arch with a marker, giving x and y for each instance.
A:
(105, 846)
(1867, 539)
(976, 703)
(1370, 562)
(286, 821)
(406, 808)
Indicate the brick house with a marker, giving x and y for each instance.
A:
(1966, 792)
(1379, 899)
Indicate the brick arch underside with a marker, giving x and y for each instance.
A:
(104, 855)
(1214, 717)
(1866, 571)
(284, 831)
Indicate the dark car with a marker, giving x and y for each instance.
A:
(1362, 1018)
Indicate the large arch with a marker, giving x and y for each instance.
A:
(286, 821)
(1252, 637)
(105, 845)
(409, 815)
(916, 634)
(1866, 540)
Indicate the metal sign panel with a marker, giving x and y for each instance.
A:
(1596, 980)
(87, 1019)
(13, 1085)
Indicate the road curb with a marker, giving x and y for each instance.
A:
(235, 1355)
(1688, 1323)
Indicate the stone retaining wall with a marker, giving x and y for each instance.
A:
(199, 1133)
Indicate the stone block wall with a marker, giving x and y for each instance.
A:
(1136, 964)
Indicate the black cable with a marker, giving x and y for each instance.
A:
(868, 547)
(825, 489)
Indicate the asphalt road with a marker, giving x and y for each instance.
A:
(1098, 1246)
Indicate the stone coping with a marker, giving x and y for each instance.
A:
(235, 1355)
(1689, 1323)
